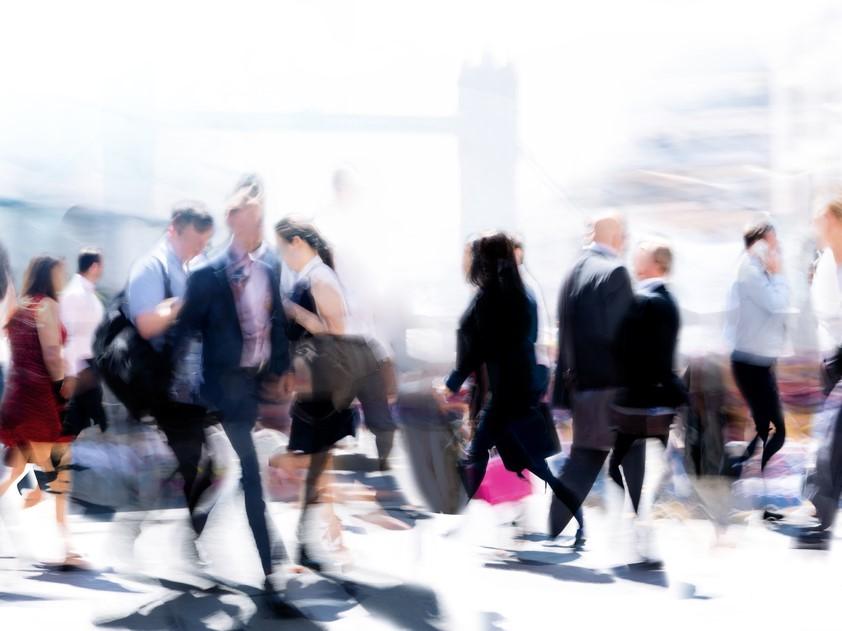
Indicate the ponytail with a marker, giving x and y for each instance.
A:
(288, 229)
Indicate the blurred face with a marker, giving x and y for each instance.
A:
(95, 272)
(519, 256)
(467, 260)
(246, 224)
(295, 253)
(772, 239)
(828, 227)
(189, 243)
(58, 277)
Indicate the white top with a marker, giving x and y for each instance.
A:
(318, 272)
(826, 299)
(81, 313)
(544, 339)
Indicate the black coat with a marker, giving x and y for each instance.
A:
(209, 310)
(595, 299)
(646, 350)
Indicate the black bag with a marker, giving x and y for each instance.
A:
(831, 371)
(137, 374)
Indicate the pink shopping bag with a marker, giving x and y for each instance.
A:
(501, 485)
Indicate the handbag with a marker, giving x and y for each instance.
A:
(499, 485)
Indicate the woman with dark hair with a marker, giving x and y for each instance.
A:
(496, 339)
(30, 415)
(317, 307)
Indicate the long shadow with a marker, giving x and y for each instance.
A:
(639, 574)
(12, 598)
(188, 608)
(567, 573)
(538, 557)
(86, 579)
(406, 606)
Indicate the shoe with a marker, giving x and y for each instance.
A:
(772, 516)
(277, 604)
(579, 540)
(811, 539)
(307, 561)
(648, 565)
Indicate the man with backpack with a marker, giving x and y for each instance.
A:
(153, 298)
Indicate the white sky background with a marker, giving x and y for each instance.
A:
(80, 78)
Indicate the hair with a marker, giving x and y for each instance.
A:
(250, 185)
(191, 213)
(757, 231)
(38, 278)
(493, 263)
(87, 258)
(661, 254)
(288, 229)
(834, 207)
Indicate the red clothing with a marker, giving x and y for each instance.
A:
(30, 411)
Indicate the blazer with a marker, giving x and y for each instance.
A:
(594, 301)
(209, 310)
(646, 351)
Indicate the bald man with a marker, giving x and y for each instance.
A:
(595, 299)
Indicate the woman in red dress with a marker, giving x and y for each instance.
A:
(30, 415)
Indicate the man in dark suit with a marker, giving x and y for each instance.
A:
(646, 406)
(234, 304)
(595, 299)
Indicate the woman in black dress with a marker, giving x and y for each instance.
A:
(496, 337)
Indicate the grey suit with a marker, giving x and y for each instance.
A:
(594, 301)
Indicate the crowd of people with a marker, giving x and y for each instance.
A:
(197, 340)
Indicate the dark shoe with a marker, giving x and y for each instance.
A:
(772, 516)
(279, 606)
(811, 539)
(648, 565)
(579, 540)
(307, 561)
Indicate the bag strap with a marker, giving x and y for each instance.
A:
(167, 285)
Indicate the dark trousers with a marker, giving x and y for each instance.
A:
(828, 487)
(85, 407)
(374, 399)
(580, 472)
(760, 390)
(238, 407)
(184, 427)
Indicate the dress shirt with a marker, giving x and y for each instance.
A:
(81, 313)
(251, 286)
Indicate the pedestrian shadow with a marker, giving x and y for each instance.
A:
(11, 597)
(406, 606)
(189, 608)
(538, 557)
(566, 573)
(639, 574)
(85, 579)
(492, 621)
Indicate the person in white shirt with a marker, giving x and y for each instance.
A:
(544, 341)
(81, 313)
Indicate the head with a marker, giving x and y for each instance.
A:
(44, 276)
(517, 244)
(244, 216)
(653, 259)
(90, 264)
(190, 230)
(493, 263)
(829, 223)
(299, 243)
(609, 230)
(5, 271)
(760, 231)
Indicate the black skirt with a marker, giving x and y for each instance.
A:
(317, 426)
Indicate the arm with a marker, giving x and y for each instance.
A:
(331, 307)
(769, 291)
(150, 310)
(49, 335)
(618, 299)
(69, 309)
(280, 359)
(192, 313)
(467, 351)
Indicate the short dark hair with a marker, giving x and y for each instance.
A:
(38, 278)
(87, 258)
(756, 232)
(191, 213)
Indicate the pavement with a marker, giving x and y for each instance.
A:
(490, 568)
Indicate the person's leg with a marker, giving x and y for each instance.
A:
(829, 477)
(577, 478)
(634, 469)
(776, 417)
(238, 421)
(752, 382)
(475, 462)
(17, 463)
(311, 495)
(374, 398)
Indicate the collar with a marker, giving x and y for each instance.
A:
(601, 248)
(235, 254)
(86, 284)
(651, 284)
(312, 264)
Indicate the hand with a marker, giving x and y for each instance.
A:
(270, 389)
(773, 261)
(287, 385)
(290, 308)
(68, 387)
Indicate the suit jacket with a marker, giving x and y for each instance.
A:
(646, 351)
(594, 301)
(210, 311)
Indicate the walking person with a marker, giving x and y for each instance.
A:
(234, 305)
(496, 336)
(81, 313)
(595, 300)
(760, 297)
(30, 421)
